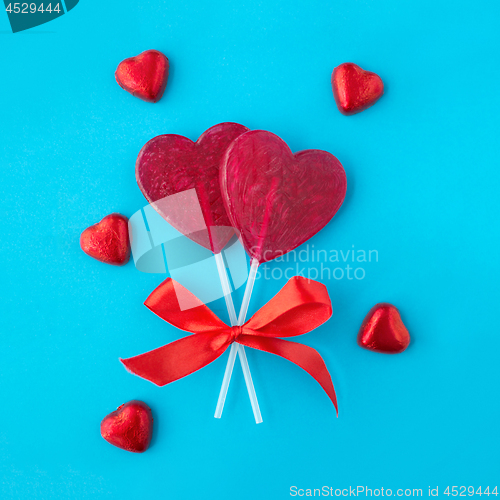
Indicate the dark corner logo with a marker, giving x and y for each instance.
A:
(23, 16)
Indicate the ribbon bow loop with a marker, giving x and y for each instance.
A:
(299, 307)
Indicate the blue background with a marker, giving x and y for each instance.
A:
(422, 169)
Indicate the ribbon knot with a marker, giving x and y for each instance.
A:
(299, 307)
(235, 332)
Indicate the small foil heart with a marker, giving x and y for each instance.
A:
(172, 164)
(144, 76)
(355, 89)
(108, 240)
(383, 330)
(129, 427)
(277, 200)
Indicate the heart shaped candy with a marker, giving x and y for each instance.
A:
(383, 330)
(355, 89)
(129, 427)
(277, 200)
(107, 241)
(144, 76)
(171, 164)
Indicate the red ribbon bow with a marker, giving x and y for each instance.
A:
(299, 307)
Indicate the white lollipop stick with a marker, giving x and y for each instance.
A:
(240, 349)
(226, 289)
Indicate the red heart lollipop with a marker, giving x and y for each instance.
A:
(355, 89)
(129, 427)
(383, 330)
(277, 199)
(144, 76)
(108, 240)
(171, 164)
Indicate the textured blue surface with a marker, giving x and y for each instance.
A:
(422, 168)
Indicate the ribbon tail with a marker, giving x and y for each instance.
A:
(302, 355)
(177, 359)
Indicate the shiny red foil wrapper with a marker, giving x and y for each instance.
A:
(129, 427)
(355, 89)
(144, 76)
(383, 330)
(108, 240)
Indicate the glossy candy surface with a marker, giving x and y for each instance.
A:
(144, 76)
(277, 200)
(355, 89)
(172, 164)
(108, 240)
(129, 427)
(383, 330)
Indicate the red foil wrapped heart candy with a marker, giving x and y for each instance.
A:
(108, 241)
(129, 427)
(144, 76)
(355, 89)
(383, 330)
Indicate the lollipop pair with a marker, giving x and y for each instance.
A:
(245, 181)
